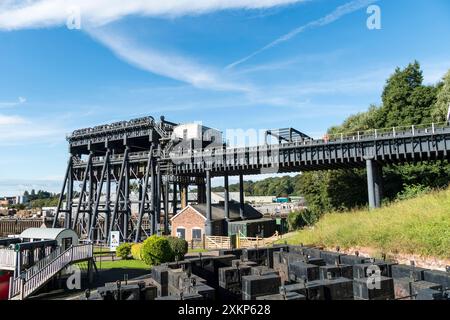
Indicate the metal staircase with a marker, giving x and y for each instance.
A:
(37, 276)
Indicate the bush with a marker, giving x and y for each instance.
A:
(300, 219)
(124, 250)
(412, 191)
(136, 251)
(156, 250)
(179, 247)
(294, 220)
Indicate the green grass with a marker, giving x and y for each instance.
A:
(122, 264)
(197, 250)
(415, 226)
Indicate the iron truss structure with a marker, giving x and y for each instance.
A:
(106, 164)
(109, 161)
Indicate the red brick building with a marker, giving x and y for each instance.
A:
(189, 223)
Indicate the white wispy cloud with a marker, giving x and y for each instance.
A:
(338, 13)
(9, 104)
(17, 130)
(19, 14)
(10, 120)
(297, 60)
(163, 63)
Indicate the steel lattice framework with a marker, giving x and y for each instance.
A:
(107, 161)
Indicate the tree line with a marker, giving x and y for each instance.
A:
(406, 101)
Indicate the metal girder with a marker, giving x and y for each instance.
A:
(115, 216)
(83, 189)
(61, 196)
(143, 196)
(99, 194)
(134, 159)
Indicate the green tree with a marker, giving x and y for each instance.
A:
(397, 109)
(406, 101)
(443, 100)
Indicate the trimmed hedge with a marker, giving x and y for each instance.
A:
(136, 251)
(156, 250)
(179, 247)
(124, 250)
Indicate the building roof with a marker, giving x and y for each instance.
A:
(42, 233)
(252, 221)
(218, 212)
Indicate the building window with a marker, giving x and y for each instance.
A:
(196, 234)
(181, 233)
(185, 132)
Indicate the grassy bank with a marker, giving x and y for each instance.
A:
(415, 226)
(122, 264)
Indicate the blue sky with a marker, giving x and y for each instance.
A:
(181, 59)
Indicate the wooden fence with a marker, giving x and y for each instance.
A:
(217, 242)
(16, 225)
(223, 242)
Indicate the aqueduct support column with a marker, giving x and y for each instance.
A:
(378, 184)
(373, 183)
(174, 199)
(241, 196)
(201, 196)
(208, 222)
(226, 197)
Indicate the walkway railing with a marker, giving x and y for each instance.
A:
(399, 131)
(372, 134)
(42, 263)
(35, 278)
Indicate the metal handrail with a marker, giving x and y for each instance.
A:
(373, 134)
(26, 286)
(42, 263)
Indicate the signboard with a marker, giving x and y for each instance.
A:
(114, 240)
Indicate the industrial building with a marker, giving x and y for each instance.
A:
(189, 223)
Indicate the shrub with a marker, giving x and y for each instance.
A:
(179, 247)
(412, 191)
(309, 217)
(136, 251)
(124, 250)
(294, 220)
(300, 219)
(156, 250)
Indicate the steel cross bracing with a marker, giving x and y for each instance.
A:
(149, 158)
(413, 145)
(102, 202)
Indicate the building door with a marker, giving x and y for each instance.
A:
(181, 233)
(66, 243)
